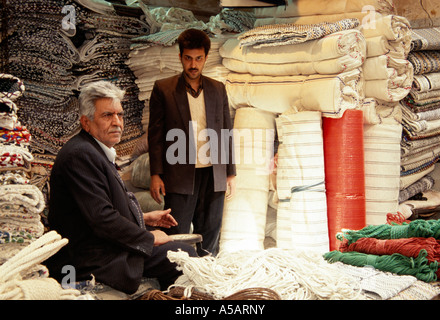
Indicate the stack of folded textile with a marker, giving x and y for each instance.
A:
(279, 69)
(42, 55)
(102, 56)
(388, 76)
(421, 110)
(20, 202)
(155, 55)
(278, 75)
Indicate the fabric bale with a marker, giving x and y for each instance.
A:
(429, 204)
(386, 78)
(302, 208)
(335, 53)
(244, 216)
(299, 8)
(147, 202)
(281, 93)
(140, 174)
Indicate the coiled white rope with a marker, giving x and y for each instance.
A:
(12, 286)
(293, 274)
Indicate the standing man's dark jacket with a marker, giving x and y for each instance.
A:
(89, 206)
(169, 109)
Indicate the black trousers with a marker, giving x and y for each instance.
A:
(158, 266)
(203, 208)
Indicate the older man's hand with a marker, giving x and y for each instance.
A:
(160, 218)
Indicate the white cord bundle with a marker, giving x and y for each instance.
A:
(14, 287)
(293, 274)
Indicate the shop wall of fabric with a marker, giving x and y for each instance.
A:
(55, 48)
(355, 65)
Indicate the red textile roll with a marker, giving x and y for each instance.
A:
(344, 173)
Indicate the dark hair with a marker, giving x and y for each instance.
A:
(194, 39)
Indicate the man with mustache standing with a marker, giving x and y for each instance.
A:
(110, 238)
(189, 114)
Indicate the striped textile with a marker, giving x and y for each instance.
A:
(425, 61)
(302, 206)
(244, 216)
(382, 170)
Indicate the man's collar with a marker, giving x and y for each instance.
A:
(109, 152)
(190, 90)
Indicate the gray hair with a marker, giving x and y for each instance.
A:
(94, 91)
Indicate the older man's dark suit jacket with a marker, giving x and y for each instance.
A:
(169, 109)
(90, 207)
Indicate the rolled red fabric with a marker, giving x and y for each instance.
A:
(344, 173)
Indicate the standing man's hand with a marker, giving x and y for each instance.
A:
(230, 187)
(157, 188)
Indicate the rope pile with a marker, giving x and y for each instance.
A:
(292, 274)
(179, 293)
(14, 287)
(411, 248)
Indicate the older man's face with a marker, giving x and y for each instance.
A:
(108, 122)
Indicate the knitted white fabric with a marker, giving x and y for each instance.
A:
(375, 283)
(293, 274)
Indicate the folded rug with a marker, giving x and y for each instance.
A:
(425, 61)
(284, 34)
(425, 39)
